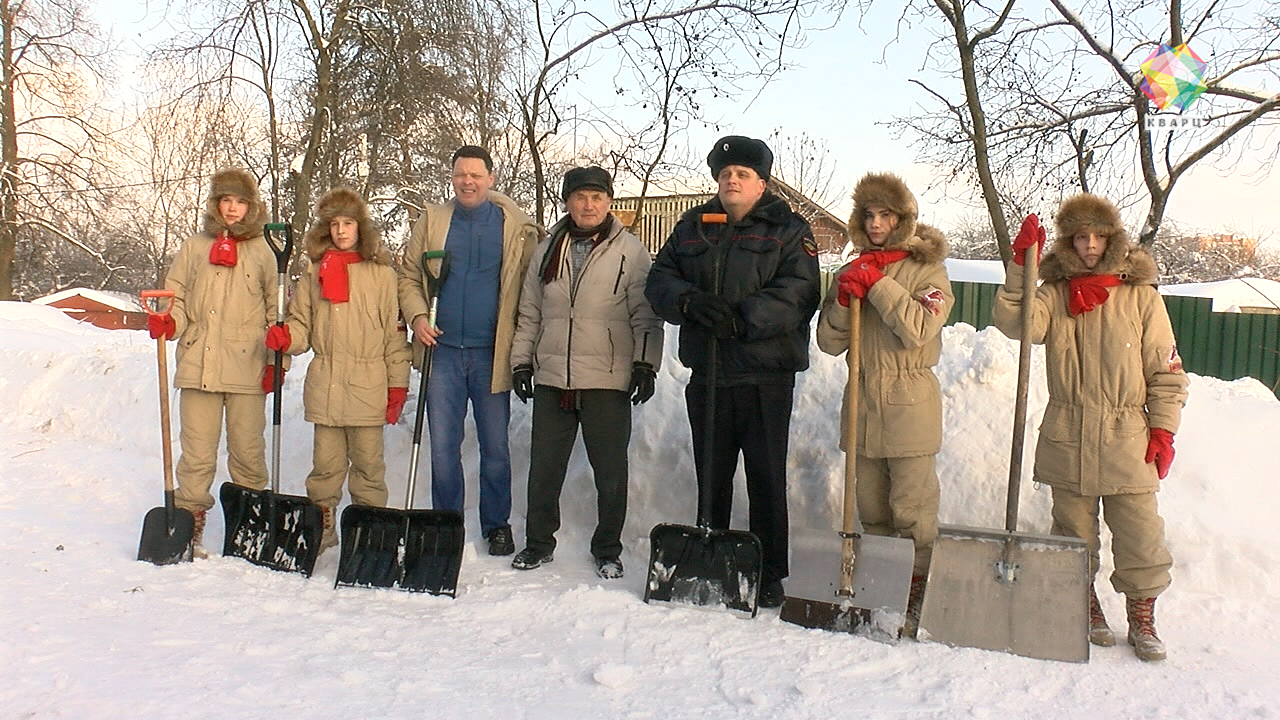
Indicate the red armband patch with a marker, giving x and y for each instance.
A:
(933, 299)
(1175, 360)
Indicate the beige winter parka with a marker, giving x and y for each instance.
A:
(585, 336)
(520, 236)
(1113, 372)
(221, 313)
(360, 348)
(900, 403)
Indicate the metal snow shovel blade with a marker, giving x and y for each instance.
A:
(849, 581)
(281, 532)
(700, 565)
(1014, 592)
(167, 531)
(412, 550)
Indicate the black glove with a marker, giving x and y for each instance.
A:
(522, 382)
(642, 378)
(707, 309)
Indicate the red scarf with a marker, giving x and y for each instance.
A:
(1090, 291)
(223, 250)
(883, 258)
(334, 282)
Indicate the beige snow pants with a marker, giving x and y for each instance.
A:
(1142, 559)
(200, 414)
(338, 451)
(899, 497)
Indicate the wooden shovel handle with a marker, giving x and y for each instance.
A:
(848, 556)
(1030, 272)
(162, 367)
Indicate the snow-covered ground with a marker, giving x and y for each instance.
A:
(89, 632)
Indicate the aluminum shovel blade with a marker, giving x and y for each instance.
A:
(1019, 593)
(881, 583)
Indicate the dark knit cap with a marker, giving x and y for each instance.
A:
(739, 150)
(587, 178)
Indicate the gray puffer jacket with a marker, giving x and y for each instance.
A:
(585, 335)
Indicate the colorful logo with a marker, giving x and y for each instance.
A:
(1173, 77)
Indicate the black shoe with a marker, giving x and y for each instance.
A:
(609, 568)
(771, 594)
(529, 559)
(500, 541)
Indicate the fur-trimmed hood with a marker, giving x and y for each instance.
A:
(1133, 264)
(925, 242)
(345, 202)
(234, 181)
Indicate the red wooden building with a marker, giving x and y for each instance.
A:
(110, 310)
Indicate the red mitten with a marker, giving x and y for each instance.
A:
(161, 325)
(395, 403)
(267, 385)
(857, 281)
(278, 338)
(1160, 451)
(1030, 234)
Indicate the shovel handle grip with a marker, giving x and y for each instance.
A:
(158, 295)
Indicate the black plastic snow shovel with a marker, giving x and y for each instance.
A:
(849, 581)
(700, 565)
(280, 532)
(1014, 592)
(167, 531)
(411, 550)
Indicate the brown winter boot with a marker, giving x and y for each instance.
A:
(330, 536)
(197, 534)
(1099, 632)
(915, 600)
(1142, 629)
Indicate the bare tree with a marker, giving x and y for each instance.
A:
(51, 60)
(704, 43)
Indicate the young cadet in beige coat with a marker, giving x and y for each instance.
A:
(224, 284)
(1116, 392)
(346, 311)
(906, 295)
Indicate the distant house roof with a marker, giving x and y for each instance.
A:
(118, 300)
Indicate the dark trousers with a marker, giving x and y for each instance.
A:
(756, 421)
(605, 418)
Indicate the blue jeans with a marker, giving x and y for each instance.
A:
(458, 376)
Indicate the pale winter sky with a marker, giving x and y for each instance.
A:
(847, 84)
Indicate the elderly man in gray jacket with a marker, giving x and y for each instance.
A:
(586, 342)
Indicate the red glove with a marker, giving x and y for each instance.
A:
(1030, 234)
(267, 386)
(1160, 450)
(857, 281)
(395, 403)
(161, 325)
(278, 338)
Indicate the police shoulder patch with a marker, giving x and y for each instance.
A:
(810, 246)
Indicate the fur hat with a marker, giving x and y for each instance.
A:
(344, 202)
(237, 182)
(1087, 212)
(889, 191)
(739, 150)
(587, 178)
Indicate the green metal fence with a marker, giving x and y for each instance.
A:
(1222, 345)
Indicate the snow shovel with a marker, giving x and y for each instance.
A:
(849, 581)
(280, 532)
(166, 531)
(700, 565)
(412, 550)
(1014, 592)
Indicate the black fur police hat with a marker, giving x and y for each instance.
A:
(587, 178)
(739, 150)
